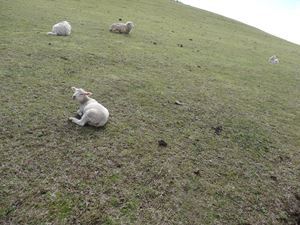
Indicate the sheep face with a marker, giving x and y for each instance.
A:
(80, 95)
(130, 26)
(273, 59)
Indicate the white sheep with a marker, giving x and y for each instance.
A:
(273, 59)
(123, 28)
(61, 29)
(91, 111)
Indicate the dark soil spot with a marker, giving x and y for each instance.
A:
(293, 210)
(49, 43)
(118, 165)
(120, 19)
(64, 58)
(154, 43)
(43, 191)
(218, 130)
(191, 39)
(199, 66)
(180, 45)
(284, 158)
(298, 221)
(197, 172)
(296, 215)
(297, 196)
(162, 143)
(273, 178)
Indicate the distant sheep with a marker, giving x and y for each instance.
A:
(273, 59)
(91, 111)
(122, 28)
(61, 29)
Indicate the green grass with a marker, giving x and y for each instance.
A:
(54, 172)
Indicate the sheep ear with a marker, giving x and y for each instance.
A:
(88, 93)
(74, 88)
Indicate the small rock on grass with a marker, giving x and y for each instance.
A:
(178, 102)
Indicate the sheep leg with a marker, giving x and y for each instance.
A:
(79, 112)
(80, 122)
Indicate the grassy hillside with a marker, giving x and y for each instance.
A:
(233, 151)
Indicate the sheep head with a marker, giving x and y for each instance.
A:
(80, 95)
(129, 26)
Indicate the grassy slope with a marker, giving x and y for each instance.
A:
(53, 171)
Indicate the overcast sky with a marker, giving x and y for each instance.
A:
(278, 17)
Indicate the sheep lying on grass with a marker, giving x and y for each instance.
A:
(61, 29)
(122, 28)
(91, 111)
(273, 59)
